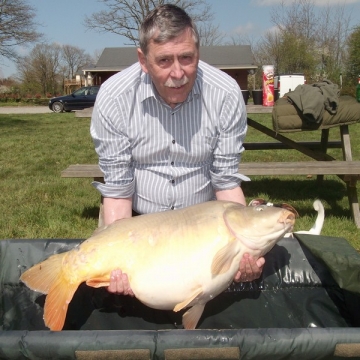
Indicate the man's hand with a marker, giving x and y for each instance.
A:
(119, 283)
(249, 269)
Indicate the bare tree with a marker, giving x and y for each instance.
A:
(17, 27)
(74, 58)
(306, 39)
(124, 18)
(333, 31)
(39, 71)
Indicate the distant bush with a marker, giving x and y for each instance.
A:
(28, 99)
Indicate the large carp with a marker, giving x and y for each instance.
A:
(174, 259)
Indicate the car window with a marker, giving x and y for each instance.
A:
(94, 90)
(81, 91)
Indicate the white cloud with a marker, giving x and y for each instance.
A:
(244, 29)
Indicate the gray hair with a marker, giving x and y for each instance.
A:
(170, 21)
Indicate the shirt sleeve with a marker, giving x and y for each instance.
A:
(233, 122)
(113, 147)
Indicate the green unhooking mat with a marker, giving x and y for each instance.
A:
(306, 305)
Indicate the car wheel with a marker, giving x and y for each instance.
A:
(57, 107)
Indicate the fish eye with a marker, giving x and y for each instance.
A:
(259, 208)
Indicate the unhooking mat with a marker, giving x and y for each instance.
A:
(286, 117)
(306, 305)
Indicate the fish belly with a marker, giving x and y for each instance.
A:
(164, 287)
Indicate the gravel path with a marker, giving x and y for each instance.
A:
(24, 110)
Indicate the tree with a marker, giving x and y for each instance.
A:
(17, 27)
(352, 70)
(306, 40)
(39, 71)
(74, 58)
(124, 18)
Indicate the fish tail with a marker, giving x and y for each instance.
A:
(41, 276)
(57, 302)
(47, 277)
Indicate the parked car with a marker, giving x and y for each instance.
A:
(78, 100)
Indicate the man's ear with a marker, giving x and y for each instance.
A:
(142, 60)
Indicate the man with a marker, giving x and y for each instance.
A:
(169, 130)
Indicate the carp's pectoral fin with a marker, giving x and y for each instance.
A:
(188, 301)
(98, 282)
(224, 258)
(192, 316)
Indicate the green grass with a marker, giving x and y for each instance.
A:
(37, 203)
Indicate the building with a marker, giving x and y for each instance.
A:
(237, 61)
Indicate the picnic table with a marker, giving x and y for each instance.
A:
(320, 162)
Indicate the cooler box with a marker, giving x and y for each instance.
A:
(305, 306)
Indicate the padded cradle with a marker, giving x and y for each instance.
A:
(286, 117)
(306, 305)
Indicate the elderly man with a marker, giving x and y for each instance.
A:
(169, 131)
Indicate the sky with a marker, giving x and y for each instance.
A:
(62, 22)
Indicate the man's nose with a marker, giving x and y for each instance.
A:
(176, 70)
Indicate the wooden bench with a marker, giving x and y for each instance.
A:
(348, 171)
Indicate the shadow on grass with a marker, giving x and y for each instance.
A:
(291, 191)
(91, 212)
(13, 122)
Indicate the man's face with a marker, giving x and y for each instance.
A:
(172, 67)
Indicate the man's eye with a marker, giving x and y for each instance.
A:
(186, 59)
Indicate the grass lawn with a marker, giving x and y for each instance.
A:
(37, 203)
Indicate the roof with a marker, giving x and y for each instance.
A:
(221, 57)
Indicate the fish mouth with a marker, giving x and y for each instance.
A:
(287, 220)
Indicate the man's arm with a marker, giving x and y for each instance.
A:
(235, 195)
(115, 209)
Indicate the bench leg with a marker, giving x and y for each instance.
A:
(351, 183)
(353, 201)
(323, 149)
(101, 211)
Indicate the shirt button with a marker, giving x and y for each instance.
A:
(172, 208)
(172, 181)
(173, 141)
(172, 163)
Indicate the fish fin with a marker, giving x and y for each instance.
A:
(224, 258)
(98, 282)
(57, 302)
(186, 302)
(41, 277)
(192, 316)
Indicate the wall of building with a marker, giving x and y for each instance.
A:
(240, 75)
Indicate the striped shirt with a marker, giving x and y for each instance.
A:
(168, 158)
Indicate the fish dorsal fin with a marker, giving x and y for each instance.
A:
(98, 282)
(223, 258)
(192, 316)
(198, 291)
